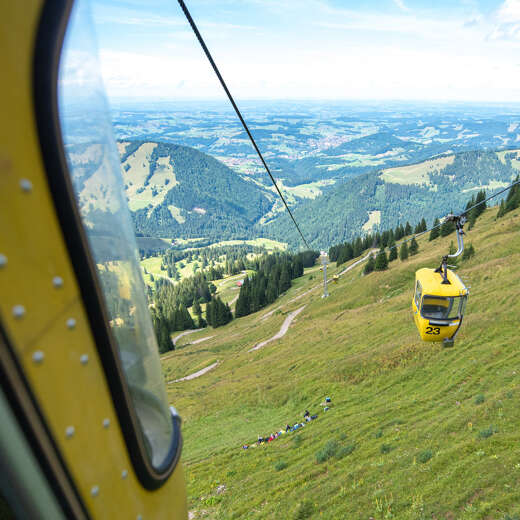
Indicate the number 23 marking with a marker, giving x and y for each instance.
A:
(433, 330)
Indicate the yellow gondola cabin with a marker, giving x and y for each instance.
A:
(438, 307)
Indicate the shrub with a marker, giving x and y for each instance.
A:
(345, 450)
(213, 500)
(386, 448)
(424, 456)
(280, 465)
(329, 450)
(304, 510)
(469, 251)
(479, 399)
(297, 439)
(488, 432)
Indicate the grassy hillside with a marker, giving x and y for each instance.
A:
(415, 431)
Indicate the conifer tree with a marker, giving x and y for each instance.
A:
(414, 247)
(187, 320)
(469, 251)
(447, 228)
(513, 197)
(381, 262)
(407, 229)
(434, 233)
(403, 252)
(271, 292)
(392, 253)
(452, 249)
(285, 280)
(209, 313)
(501, 209)
(401, 232)
(229, 314)
(478, 210)
(358, 247)
(370, 265)
(221, 313)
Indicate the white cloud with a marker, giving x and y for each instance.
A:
(507, 22)
(320, 51)
(400, 4)
(509, 11)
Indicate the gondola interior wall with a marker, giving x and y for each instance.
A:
(86, 431)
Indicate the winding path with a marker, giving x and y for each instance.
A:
(200, 340)
(351, 266)
(283, 329)
(177, 338)
(196, 374)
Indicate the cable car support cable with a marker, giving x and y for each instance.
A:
(232, 101)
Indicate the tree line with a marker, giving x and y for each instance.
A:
(387, 240)
(511, 202)
(170, 303)
(272, 278)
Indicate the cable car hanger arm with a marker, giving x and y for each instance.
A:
(459, 220)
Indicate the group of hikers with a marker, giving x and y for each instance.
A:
(307, 417)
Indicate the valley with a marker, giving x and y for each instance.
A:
(192, 179)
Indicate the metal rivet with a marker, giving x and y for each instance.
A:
(57, 281)
(18, 311)
(69, 432)
(38, 356)
(94, 491)
(83, 359)
(106, 423)
(3, 260)
(26, 185)
(124, 473)
(71, 323)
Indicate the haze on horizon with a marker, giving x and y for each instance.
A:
(312, 50)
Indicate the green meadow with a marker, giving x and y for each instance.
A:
(415, 430)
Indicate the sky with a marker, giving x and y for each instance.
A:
(312, 49)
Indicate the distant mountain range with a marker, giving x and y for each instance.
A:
(383, 198)
(178, 192)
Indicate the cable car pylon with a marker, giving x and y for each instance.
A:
(324, 257)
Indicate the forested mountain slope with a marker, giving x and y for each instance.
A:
(387, 197)
(415, 430)
(176, 191)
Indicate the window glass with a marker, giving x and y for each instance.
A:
(442, 308)
(462, 305)
(96, 177)
(418, 294)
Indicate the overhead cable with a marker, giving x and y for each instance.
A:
(232, 101)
